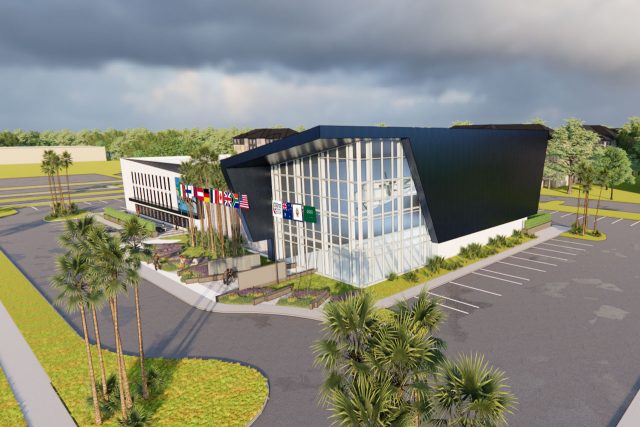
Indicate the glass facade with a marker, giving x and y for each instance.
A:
(369, 219)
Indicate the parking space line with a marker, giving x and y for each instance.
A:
(553, 250)
(566, 215)
(87, 203)
(533, 260)
(104, 202)
(566, 247)
(573, 243)
(496, 278)
(548, 256)
(475, 289)
(522, 266)
(505, 274)
(454, 300)
(553, 212)
(617, 220)
(635, 223)
(451, 308)
(34, 208)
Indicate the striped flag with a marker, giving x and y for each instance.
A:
(207, 197)
(219, 197)
(236, 200)
(189, 191)
(228, 199)
(244, 202)
(199, 194)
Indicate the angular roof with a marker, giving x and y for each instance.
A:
(266, 133)
(604, 132)
(512, 126)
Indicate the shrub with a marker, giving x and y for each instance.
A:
(498, 241)
(392, 276)
(471, 251)
(410, 276)
(488, 250)
(575, 228)
(596, 233)
(124, 216)
(453, 263)
(435, 263)
(517, 234)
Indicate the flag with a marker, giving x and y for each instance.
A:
(189, 191)
(183, 191)
(199, 194)
(244, 202)
(220, 197)
(236, 201)
(287, 210)
(228, 199)
(297, 212)
(207, 197)
(277, 209)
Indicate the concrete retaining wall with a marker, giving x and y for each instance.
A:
(262, 276)
(242, 263)
(23, 155)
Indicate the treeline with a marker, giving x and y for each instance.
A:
(130, 142)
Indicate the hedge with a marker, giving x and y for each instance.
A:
(537, 219)
(122, 217)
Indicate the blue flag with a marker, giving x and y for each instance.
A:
(287, 210)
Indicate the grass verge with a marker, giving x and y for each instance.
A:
(27, 198)
(71, 184)
(295, 302)
(80, 214)
(626, 193)
(6, 211)
(590, 237)
(10, 413)
(109, 168)
(558, 205)
(48, 202)
(196, 392)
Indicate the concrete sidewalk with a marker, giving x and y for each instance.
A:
(38, 400)
(631, 417)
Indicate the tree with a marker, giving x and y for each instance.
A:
(66, 161)
(569, 145)
(74, 240)
(461, 123)
(111, 267)
(586, 175)
(385, 367)
(45, 167)
(615, 162)
(134, 233)
(629, 140)
(75, 294)
(188, 176)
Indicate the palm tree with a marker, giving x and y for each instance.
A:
(74, 239)
(111, 267)
(134, 233)
(473, 394)
(45, 167)
(74, 295)
(55, 162)
(207, 164)
(65, 162)
(217, 180)
(187, 175)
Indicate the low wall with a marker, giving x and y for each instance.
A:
(262, 276)
(24, 155)
(242, 263)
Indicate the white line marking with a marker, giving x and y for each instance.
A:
(505, 274)
(451, 308)
(522, 266)
(617, 220)
(496, 278)
(34, 208)
(475, 289)
(635, 223)
(553, 250)
(573, 243)
(553, 212)
(533, 260)
(566, 247)
(87, 203)
(566, 215)
(455, 300)
(104, 202)
(548, 256)
(580, 217)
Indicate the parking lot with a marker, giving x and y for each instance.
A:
(561, 318)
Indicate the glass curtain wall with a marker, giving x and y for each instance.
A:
(369, 220)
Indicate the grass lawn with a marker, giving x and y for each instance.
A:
(80, 214)
(390, 287)
(591, 237)
(89, 199)
(10, 413)
(628, 193)
(180, 238)
(316, 281)
(73, 195)
(71, 184)
(558, 205)
(111, 168)
(236, 299)
(5, 211)
(196, 392)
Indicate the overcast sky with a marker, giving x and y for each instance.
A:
(176, 64)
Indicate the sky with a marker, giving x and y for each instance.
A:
(196, 63)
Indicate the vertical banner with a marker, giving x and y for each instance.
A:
(309, 214)
(287, 210)
(277, 209)
(297, 212)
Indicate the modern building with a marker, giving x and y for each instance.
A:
(259, 137)
(358, 203)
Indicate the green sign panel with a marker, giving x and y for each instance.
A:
(309, 214)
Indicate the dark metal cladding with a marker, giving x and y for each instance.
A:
(467, 179)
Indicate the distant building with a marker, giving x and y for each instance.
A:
(258, 137)
(607, 135)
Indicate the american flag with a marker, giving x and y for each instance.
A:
(244, 202)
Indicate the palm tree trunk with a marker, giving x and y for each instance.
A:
(191, 224)
(143, 374)
(125, 375)
(586, 212)
(203, 239)
(92, 378)
(114, 317)
(60, 187)
(211, 238)
(103, 374)
(220, 231)
(51, 191)
(595, 221)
